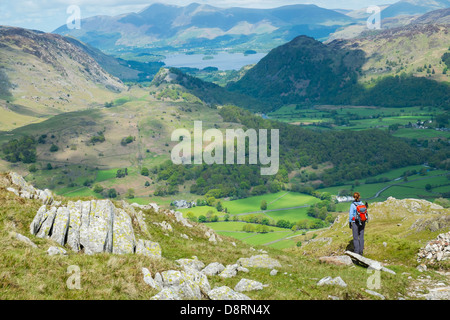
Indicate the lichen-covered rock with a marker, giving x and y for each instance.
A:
(98, 233)
(188, 284)
(248, 285)
(259, 261)
(198, 278)
(60, 225)
(229, 271)
(73, 234)
(226, 293)
(192, 263)
(123, 240)
(148, 248)
(149, 280)
(27, 191)
(52, 251)
(213, 269)
(46, 222)
(167, 294)
(38, 220)
(136, 216)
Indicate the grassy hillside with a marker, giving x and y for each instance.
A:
(29, 273)
(45, 75)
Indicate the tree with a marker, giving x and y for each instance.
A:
(428, 187)
(263, 205)
(219, 206)
(98, 188)
(130, 193)
(49, 166)
(211, 201)
(112, 193)
(202, 219)
(145, 172)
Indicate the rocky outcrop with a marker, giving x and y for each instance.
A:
(25, 190)
(436, 250)
(213, 269)
(178, 285)
(94, 226)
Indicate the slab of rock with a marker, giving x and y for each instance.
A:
(332, 281)
(226, 293)
(149, 280)
(73, 233)
(184, 285)
(273, 272)
(24, 239)
(229, 271)
(46, 222)
(123, 235)
(248, 285)
(13, 191)
(53, 251)
(26, 190)
(60, 225)
(136, 216)
(96, 233)
(259, 261)
(368, 262)
(337, 260)
(213, 269)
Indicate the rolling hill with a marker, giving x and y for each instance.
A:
(204, 27)
(350, 71)
(47, 74)
(413, 7)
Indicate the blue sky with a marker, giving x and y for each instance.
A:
(47, 15)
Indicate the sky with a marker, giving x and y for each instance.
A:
(47, 15)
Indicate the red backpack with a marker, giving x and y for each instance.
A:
(361, 211)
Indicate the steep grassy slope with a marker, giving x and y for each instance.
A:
(29, 273)
(47, 74)
(355, 72)
(394, 234)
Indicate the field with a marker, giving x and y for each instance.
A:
(361, 118)
(234, 230)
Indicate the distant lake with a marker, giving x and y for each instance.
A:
(222, 60)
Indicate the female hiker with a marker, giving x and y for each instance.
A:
(357, 222)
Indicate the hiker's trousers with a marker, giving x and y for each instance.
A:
(358, 236)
